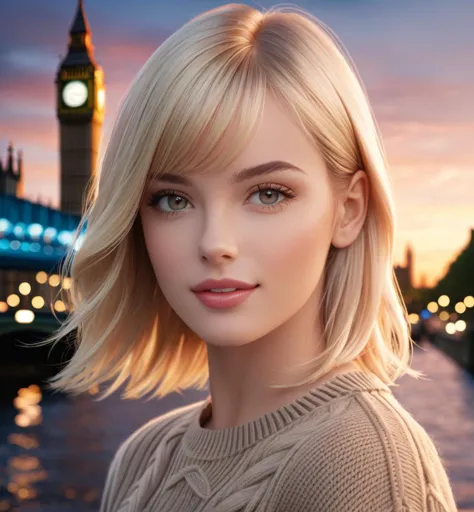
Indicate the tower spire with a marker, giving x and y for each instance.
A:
(80, 48)
(10, 158)
(80, 24)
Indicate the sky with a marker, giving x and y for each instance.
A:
(416, 60)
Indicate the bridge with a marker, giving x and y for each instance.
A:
(33, 242)
(33, 236)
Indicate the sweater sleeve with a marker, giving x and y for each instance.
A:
(130, 462)
(133, 456)
(112, 481)
(359, 464)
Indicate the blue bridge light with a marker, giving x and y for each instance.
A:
(5, 226)
(35, 230)
(65, 237)
(32, 235)
(425, 314)
(19, 230)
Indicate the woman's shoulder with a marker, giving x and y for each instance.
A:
(373, 456)
(153, 431)
(136, 452)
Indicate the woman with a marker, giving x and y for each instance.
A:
(245, 160)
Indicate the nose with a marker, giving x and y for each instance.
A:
(218, 256)
(218, 244)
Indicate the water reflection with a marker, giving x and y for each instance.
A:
(27, 481)
(23, 470)
(26, 402)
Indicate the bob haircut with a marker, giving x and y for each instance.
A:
(191, 109)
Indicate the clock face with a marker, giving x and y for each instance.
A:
(74, 93)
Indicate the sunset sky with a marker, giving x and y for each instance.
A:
(415, 58)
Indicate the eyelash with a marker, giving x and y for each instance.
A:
(289, 195)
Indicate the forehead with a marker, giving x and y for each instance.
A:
(279, 136)
(241, 176)
(277, 143)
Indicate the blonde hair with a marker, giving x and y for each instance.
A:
(203, 87)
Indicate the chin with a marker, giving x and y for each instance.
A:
(225, 342)
(225, 330)
(228, 337)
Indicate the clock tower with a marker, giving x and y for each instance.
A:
(80, 110)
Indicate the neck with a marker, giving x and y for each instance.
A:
(285, 399)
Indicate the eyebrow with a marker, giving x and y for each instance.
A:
(238, 177)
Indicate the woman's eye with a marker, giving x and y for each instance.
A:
(170, 202)
(175, 202)
(267, 194)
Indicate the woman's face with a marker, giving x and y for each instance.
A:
(215, 228)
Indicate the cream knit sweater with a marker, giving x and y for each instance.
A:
(345, 446)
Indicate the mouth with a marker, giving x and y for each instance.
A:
(225, 299)
(227, 290)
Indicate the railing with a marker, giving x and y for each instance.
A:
(33, 236)
(460, 349)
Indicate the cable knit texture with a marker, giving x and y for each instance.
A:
(347, 445)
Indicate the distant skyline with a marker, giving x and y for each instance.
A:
(416, 61)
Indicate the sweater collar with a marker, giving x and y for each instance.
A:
(202, 443)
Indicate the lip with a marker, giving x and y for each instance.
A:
(222, 283)
(224, 300)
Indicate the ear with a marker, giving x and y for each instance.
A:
(351, 211)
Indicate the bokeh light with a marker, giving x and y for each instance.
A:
(24, 316)
(450, 328)
(24, 288)
(13, 300)
(443, 301)
(41, 277)
(37, 302)
(54, 280)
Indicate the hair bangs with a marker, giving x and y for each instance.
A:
(210, 124)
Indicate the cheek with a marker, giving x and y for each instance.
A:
(299, 247)
(162, 251)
